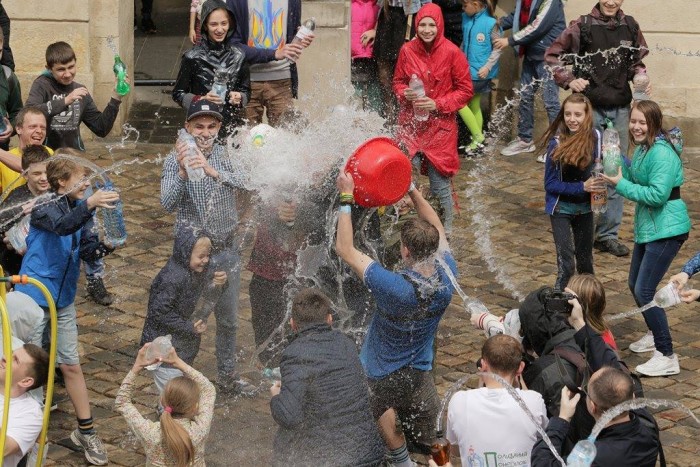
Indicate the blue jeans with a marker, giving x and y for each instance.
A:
(534, 74)
(650, 262)
(608, 223)
(441, 187)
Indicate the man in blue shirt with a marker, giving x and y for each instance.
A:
(397, 353)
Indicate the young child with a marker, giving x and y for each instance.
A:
(480, 31)
(61, 233)
(487, 421)
(363, 67)
(572, 148)
(179, 437)
(173, 299)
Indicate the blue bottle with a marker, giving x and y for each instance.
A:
(113, 220)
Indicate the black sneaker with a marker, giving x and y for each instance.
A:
(612, 246)
(148, 26)
(97, 292)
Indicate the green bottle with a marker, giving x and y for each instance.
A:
(123, 87)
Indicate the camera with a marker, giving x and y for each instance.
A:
(556, 301)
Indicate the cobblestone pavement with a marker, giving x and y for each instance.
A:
(509, 220)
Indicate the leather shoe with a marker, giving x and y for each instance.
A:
(612, 246)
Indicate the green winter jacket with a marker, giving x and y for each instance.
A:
(649, 181)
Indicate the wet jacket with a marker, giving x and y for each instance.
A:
(240, 12)
(654, 172)
(445, 74)
(363, 16)
(199, 64)
(62, 232)
(545, 24)
(323, 408)
(609, 79)
(173, 298)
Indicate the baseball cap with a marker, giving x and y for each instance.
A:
(204, 107)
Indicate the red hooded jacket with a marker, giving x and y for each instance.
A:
(445, 74)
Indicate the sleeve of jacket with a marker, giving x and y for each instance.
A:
(693, 266)
(546, 17)
(598, 353)
(162, 304)
(40, 97)
(639, 55)
(401, 77)
(243, 83)
(506, 22)
(568, 42)
(100, 123)
(288, 406)
(51, 218)
(181, 90)
(14, 100)
(91, 248)
(552, 183)
(662, 166)
(541, 455)
(462, 90)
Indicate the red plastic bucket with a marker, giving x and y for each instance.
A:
(381, 171)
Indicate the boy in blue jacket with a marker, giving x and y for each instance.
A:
(62, 233)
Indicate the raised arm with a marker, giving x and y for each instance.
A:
(344, 246)
(427, 213)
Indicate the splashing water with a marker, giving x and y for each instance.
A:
(111, 44)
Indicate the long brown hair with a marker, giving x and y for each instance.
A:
(180, 398)
(591, 296)
(654, 118)
(575, 149)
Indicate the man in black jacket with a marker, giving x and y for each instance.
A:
(322, 403)
(628, 439)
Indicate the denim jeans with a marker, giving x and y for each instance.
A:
(573, 239)
(650, 262)
(608, 223)
(441, 187)
(534, 74)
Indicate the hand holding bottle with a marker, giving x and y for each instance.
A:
(680, 279)
(614, 180)
(76, 94)
(219, 278)
(290, 51)
(594, 184)
(102, 199)
(211, 96)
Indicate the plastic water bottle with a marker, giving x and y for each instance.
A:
(273, 374)
(119, 69)
(113, 220)
(416, 85)
(18, 235)
(582, 455)
(612, 160)
(220, 85)
(667, 296)
(159, 348)
(640, 83)
(194, 175)
(599, 199)
(307, 28)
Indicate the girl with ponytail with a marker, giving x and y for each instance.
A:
(178, 438)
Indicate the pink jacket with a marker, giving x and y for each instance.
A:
(363, 17)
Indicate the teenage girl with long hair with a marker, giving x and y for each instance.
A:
(591, 296)
(572, 148)
(178, 438)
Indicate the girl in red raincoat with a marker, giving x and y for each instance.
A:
(443, 68)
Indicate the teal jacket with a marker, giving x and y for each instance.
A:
(648, 181)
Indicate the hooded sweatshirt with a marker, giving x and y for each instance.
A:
(444, 70)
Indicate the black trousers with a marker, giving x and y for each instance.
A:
(573, 239)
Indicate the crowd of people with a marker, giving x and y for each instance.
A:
(343, 397)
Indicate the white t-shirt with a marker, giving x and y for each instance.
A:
(23, 426)
(491, 429)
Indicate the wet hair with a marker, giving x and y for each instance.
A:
(591, 296)
(59, 53)
(59, 169)
(181, 396)
(575, 149)
(40, 365)
(654, 118)
(34, 154)
(310, 306)
(503, 354)
(609, 387)
(420, 237)
(24, 111)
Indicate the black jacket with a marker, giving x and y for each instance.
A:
(199, 64)
(323, 409)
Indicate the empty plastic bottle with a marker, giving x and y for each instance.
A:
(119, 69)
(159, 348)
(307, 28)
(194, 175)
(612, 160)
(599, 199)
(113, 219)
(18, 235)
(416, 85)
(582, 455)
(220, 85)
(640, 82)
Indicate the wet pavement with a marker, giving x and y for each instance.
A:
(511, 202)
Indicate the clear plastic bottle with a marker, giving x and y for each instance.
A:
(582, 455)
(668, 296)
(113, 220)
(599, 199)
(194, 175)
(119, 69)
(416, 85)
(640, 82)
(612, 160)
(307, 28)
(18, 235)
(159, 348)
(220, 85)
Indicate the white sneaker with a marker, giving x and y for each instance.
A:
(660, 365)
(518, 146)
(542, 158)
(645, 344)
